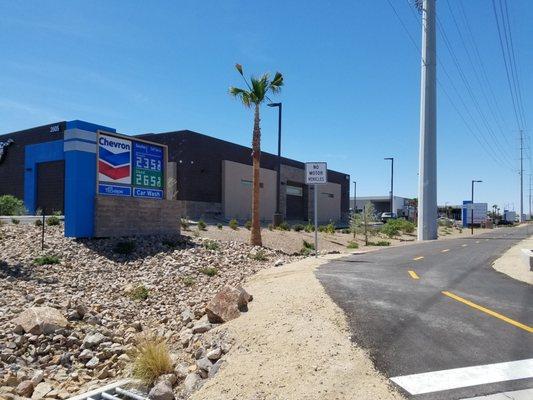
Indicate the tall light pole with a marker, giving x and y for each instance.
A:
(472, 208)
(355, 196)
(278, 217)
(427, 182)
(391, 182)
(521, 177)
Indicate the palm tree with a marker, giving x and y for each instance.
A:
(255, 94)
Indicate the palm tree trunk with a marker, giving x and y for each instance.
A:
(255, 239)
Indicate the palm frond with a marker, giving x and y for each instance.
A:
(242, 95)
(276, 83)
(259, 87)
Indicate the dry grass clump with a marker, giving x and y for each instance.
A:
(151, 359)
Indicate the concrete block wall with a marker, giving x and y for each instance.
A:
(130, 216)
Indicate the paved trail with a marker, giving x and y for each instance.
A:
(440, 306)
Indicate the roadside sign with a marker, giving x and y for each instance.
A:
(316, 173)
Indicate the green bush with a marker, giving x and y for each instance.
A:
(219, 225)
(259, 255)
(346, 230)
(389, 229)
(124, 247)
(298, 227)
(394, 226)
(53, 220)
(188, 280)
(330, 228)
(209, 271)
(379, 243)
(38, 222)
(184, 224)
(248, 224)
(308, 248)
(15, 221)
(352, 245)
(46, 260)
(233, 224)
(284, 226)
(270, 227)
(309, 227)
(140, 292)
(202, 225)
(211, 245)
(10, 205)
(322, 228)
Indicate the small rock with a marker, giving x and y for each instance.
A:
(41, 390)
(204, 363)
(37, 377)
(193, 381)
(214, 369)
(40, 320)
(93, 340)
(92, 363)
(25, 388)
(187, 316)
(161, 391)
(214, 354)
(86, 355)
(201, 327)
(170, 379)
(278, 263)
(181, 371)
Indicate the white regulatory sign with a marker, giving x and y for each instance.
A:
(316, 173)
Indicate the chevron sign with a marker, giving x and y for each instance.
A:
(114, 159)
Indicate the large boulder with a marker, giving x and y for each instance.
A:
(40, 320)
(227, 304)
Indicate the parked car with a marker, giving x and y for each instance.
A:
(388, 215)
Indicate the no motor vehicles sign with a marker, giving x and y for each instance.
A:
(316, 173)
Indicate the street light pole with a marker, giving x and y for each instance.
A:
(278, 218)
(472, 208)
(391, 183)
(355, 196)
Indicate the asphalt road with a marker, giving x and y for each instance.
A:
(410, 327)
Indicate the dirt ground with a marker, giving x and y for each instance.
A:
(292, 242)
(512, 263)
(294, 343)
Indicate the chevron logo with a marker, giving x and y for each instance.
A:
(114, 159)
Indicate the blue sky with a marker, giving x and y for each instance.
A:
(352, 80)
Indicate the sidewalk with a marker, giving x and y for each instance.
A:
(512, 263)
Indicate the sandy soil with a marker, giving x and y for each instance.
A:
(512, 264)
(294, 344)
(291, 242)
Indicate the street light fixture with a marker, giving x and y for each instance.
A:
(278, 218)
(391, 182)
(472, 208)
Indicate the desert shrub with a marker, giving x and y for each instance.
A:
(352, 245)
(309, 227)
(219, 225)
(298, 227)
(308, 248)
(390, 229)
(202, 225)
(209, 271)
(211, 245)
(10, 205)
(259, 255)
(126, 247)
(248, 224)
(233, 224)
(379, 243)
(46, 260)
(445, 222)
(184, 223)
(53, 220)
(139, 292)
(270, 227)
(284, 226)
(188, 280)
(322, 228)
(346, 230)
(38, 222)
(330, 228)
(15, 221)
(151, 359)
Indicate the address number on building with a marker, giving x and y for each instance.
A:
(316, 173)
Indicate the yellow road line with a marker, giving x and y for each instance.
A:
(413, 275)
(418, 258)
(445, 250)
(489, 312)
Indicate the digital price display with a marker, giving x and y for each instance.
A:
(147, 167)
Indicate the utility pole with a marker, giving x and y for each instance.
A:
(391, 194)
(355, 197)
(529, 196)
(427, 182)
(521, 176)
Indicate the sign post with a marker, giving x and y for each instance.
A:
(316, 173)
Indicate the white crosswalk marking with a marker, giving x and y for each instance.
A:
(447, 379)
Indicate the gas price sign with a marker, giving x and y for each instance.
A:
(148, 170)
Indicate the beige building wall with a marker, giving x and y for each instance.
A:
(329, 203)
(237, 191)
